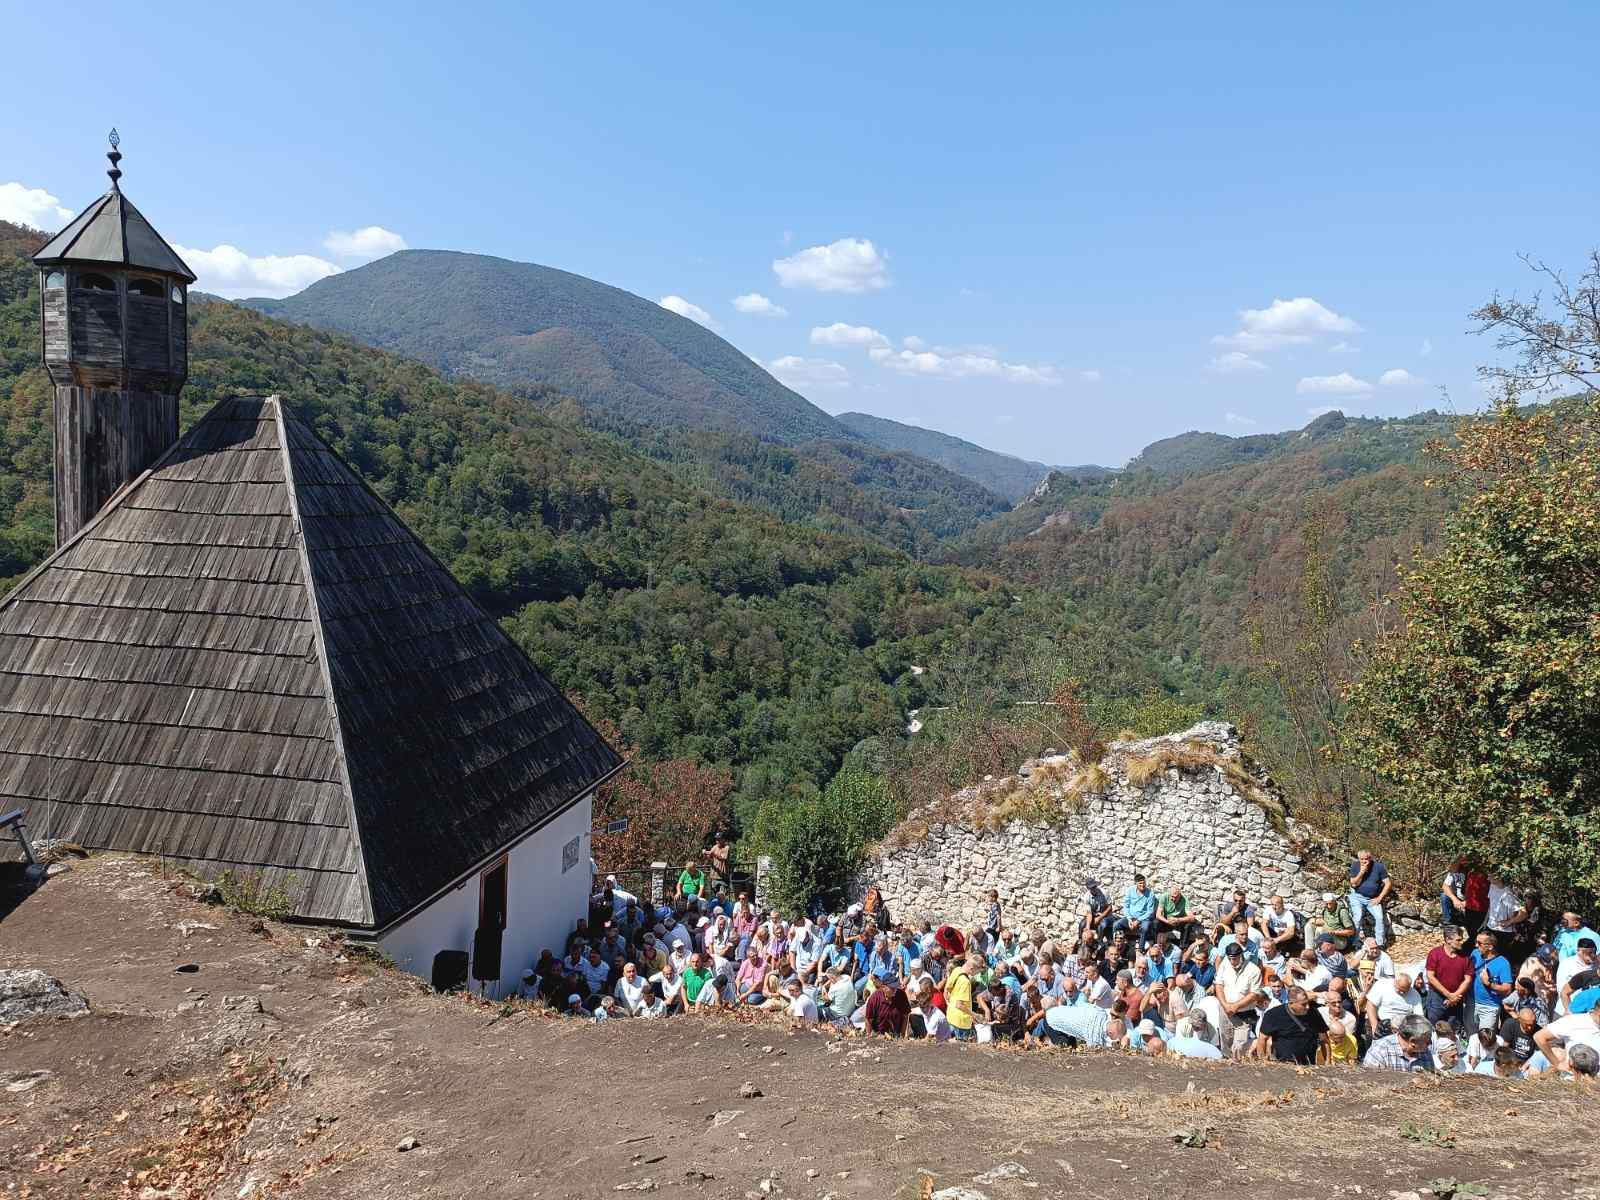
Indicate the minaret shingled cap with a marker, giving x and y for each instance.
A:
(112, 232)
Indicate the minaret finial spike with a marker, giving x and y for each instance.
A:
(115, 156)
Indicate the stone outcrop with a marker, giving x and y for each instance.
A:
(28, 992)
(1195, 813)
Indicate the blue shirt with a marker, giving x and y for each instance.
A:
(1499, 971)
(1205, 976)
(1137, 906)
(1372, 883)
(1192, 1047)
(1086, 1022)
(1567, 940)
(1161, 967)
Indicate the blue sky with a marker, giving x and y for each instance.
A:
(1099, 227)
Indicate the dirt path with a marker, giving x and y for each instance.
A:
(282, 1067)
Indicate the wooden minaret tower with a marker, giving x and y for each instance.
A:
(114, 300)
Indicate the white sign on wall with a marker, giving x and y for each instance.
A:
(569, 856)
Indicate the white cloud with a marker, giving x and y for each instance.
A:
(964, 365)
(1427, 347)
(370, 241)
(228, 271)
(1398, 377)
(33, 207)
(1343, 348)
(848, 265)
(1235, 362)
(1322, 410)
(1342, 384)
(1089, 376)
(803, 373)
(684, 308)
(1234, 418)
(913, 342)
(757, 305)
(1285, 323)
(840, 334)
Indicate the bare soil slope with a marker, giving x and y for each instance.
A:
(283, 1066)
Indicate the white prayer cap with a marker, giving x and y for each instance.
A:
(1147, 1028)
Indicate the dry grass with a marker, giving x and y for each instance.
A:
(1196, 758)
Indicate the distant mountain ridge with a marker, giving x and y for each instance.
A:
(517, 324)
(1003, 474)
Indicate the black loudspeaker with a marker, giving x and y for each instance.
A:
(449, 970)
(486, 953)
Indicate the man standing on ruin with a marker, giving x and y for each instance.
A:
(1370, 886)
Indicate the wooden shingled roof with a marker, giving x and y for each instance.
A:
(247, 661)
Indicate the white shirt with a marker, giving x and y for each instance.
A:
(1382, 966)
(1393, 1005)
(1280, 924)
(1099, 992)
(1578, 1029)
(938, 1026)
(804, 1009)
(669, 987)
(1567, 968)
(632, 995)
(1503, 902)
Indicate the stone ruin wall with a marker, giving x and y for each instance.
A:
(1191, 827)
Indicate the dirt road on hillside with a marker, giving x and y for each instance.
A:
(282, 1066)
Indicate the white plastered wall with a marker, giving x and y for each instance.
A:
(542, 903)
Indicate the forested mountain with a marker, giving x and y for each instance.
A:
(1002, 474)
(839, 486)
(702, 627)
(517, 325)
(1174, 553)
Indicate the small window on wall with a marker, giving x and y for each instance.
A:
(56, 279)
(177, 294)
(146, 287)
(97, 283)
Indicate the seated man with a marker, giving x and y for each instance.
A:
(1571, 932)
(888, 1011)
(751, 977)
(1231, 910)
(699, 983)
(802, 1009)
(667, 984)
(1247, 939)
(1558, 1040)
(1294, 1031)
(1161, 957)
(1280, 929)
(1408, 1048)
(634, 997)
(1173, 916)
(841, 996)
(595, 972)
(1390, 1001)
(1099, 913)
(1334, 921)
(1199, 1042)
(1138, 912)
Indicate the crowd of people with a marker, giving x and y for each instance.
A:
(1500, 994)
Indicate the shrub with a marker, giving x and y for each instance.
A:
(248, 892)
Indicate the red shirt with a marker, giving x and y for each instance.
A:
(1476, 892)
(1450, 969)
(887, 1010)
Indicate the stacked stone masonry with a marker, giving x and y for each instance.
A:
(1192, 828)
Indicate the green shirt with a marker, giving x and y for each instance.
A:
(694, 983)
(1174, 908)
(692, 883)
